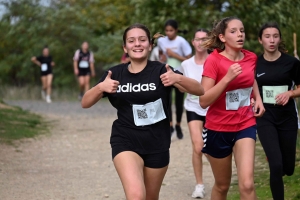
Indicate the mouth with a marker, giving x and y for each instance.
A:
(138, 50)
(240, 41)
(272, 46)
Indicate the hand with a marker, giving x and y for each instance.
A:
(169, 78)
(163, 58)
(109, 85)
(76, 72)
(283, 98)
(233, 71)
(259, 108)
(169, 52)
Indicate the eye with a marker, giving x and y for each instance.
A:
(242, 31)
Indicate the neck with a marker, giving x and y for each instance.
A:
(233, 55)
(271, 56)
(137, 66)
(200, 57)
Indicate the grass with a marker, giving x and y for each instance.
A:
(17, 124)
(291, 183)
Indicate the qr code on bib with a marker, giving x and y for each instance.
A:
(142, 114)
(233, 97)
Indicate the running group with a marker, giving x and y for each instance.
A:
(232, 95)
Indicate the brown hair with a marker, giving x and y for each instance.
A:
(213, 41)
(281, 46)
(144, 28)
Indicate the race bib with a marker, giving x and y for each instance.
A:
(238, 98)
(173, 62)
(149, 113)
(83, 64)
(270, 92)
(44, 67)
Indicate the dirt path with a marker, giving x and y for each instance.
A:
(74, 160)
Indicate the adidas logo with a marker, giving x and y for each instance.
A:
(136, 88)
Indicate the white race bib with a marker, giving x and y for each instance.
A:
(238, 98)
(173, 62)
(83, 64)
(44, 67)
(149, 113)
(270, 92)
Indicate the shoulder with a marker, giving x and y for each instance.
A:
(155, 64)
(249, 54)
(187, 61)
(289, 57)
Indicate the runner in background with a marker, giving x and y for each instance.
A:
(125, 58)
(140, 139)
(230, 127)
(277, 73)
(45, 63)
(174, 49)
(193, 68)
(84, 67)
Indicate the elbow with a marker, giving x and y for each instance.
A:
(85, 104)
(203, 104)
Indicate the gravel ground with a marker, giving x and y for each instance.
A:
(74, 160)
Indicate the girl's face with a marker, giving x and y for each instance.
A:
(270, 39)
(137, 44)
(45, 52)
(170, 32)
(199, 36)
(234, 35)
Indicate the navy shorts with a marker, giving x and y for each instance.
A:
(155, 160)
(190, 116)
(84, 71)
(220, 144)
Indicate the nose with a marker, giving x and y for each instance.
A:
(137, 42)
(272, 39)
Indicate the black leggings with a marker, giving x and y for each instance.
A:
(179, 96)
(280, 148)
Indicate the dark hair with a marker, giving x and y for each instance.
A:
(144, 28)
(173, 23)
(213, 41)
(45, 47)
(201, 30)
(281, 46)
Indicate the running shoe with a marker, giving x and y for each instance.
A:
(48, 99)
(199, 191)
(179, 132)
(43, 93)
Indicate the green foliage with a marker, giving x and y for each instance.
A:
(17, 124)
(63, 25)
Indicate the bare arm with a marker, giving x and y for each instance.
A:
(178, 57)
(259, 108)
(183, 83)
(213, 90)
(92, 69)
(35, 61)
(94, 94)
(52, 64)
(75, 67)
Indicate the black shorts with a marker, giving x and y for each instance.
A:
(190, 116)
(220, 144)
(84, 71)
(155, 160)
(45, 73)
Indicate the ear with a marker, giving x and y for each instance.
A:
(150, 47)
(193, 42)
(222, 38)
(124, 48)
(259, 40)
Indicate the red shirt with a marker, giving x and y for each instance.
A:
(217, 117)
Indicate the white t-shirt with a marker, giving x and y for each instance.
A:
(154, 56)
(179, 45)
(190, 69)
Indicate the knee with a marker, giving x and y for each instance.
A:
(222, 188)
(246, 186)
(197, 150)
(289, 171)
(135, 195)
(276, 168)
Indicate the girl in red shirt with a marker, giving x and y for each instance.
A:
(229, 84)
